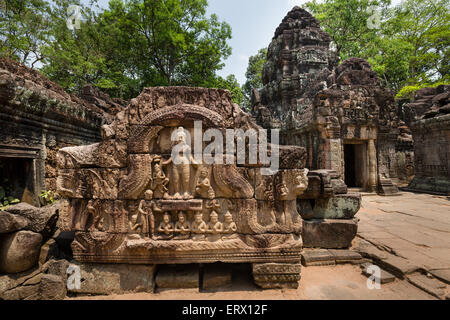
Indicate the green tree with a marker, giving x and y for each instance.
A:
(421, 28)
(74, 58)
(347, 23)
(24, 28)
(168, 42)
(410, 47)
(138, 43)
(231, 84)
(254, 75)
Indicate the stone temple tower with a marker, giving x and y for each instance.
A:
(298, 51)
(340, 113)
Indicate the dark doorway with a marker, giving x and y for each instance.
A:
(16, 178)
(350, 165)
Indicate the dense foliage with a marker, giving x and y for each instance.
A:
(408, 45)
(254, 75)
(24, 29)
(130, 45)
(137, 43)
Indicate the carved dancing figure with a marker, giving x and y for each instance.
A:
(166, 228)
(182, 227)
(203, 187)
(198, 227)
(159, 182)
(215, 227)
(98, 220)
(181, 171)
(229, 227)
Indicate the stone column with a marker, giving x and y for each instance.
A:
(372, 152)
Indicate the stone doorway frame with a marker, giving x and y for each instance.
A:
(35, 182)
(365, 152)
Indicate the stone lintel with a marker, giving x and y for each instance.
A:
(181, 205)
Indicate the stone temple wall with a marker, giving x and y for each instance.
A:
(37, 118)
(323, 107)
(431, 132)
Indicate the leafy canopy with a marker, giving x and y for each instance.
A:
(130, 45)
(24, 28)
(409, 46)
(254, 75)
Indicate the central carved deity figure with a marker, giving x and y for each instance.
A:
(181, 161)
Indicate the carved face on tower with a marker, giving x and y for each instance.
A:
(181, 217)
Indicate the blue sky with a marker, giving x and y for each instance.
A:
(253, 24)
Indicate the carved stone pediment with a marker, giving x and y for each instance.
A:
(129, 201)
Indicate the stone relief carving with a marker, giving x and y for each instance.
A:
(139, 175)
(112, 154)
(159, 181)
(231, 184)
(203, 188)
(215, 227)
(181, 167)
(142, 138)
(229, 227)
(166, 228)
(132, 201)
(182, 227)
(75, 157)
(199, 227)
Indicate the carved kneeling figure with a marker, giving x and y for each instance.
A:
(182, 227)
(166, 228)
(212, 231)
(215, 227)
(229, 227)
(199, 228)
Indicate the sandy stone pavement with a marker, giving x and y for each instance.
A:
(341, 282)
(408, 235)
(412, 226)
